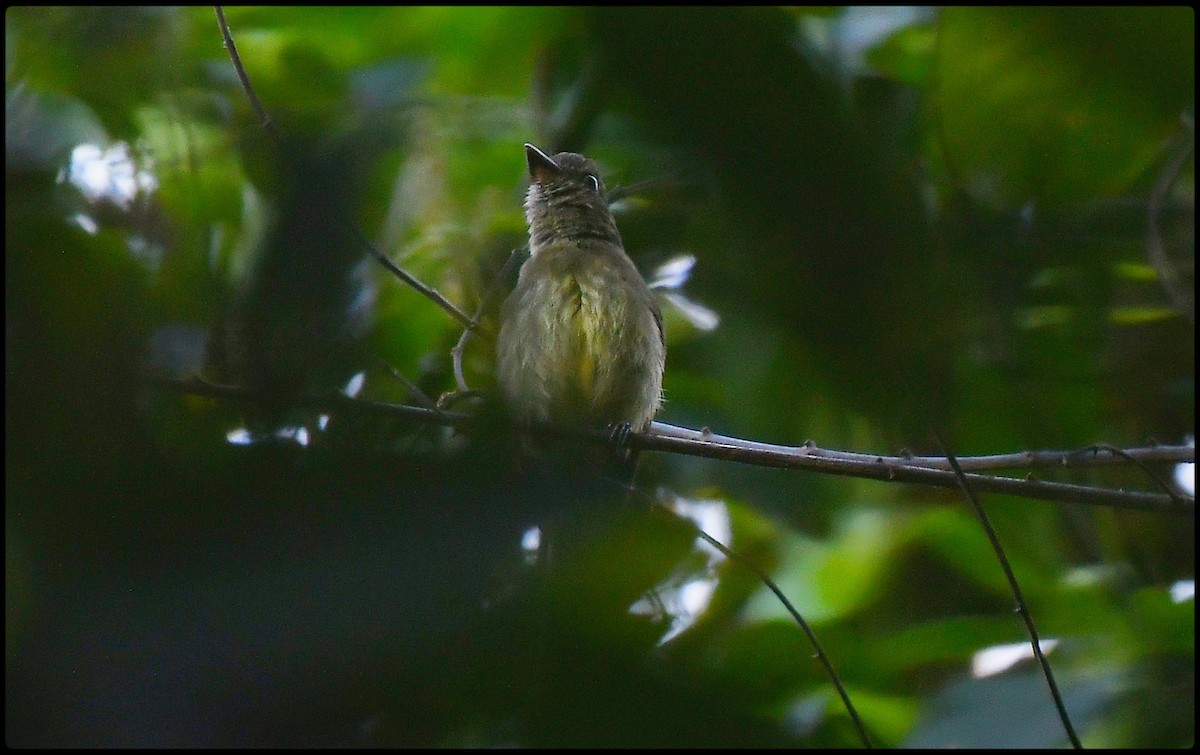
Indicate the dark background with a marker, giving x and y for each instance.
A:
(906, 220)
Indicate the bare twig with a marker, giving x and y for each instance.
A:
(670, 438)
(330, 402)
(413, 389)
(431, 294)
(818, 652)
(1122, 454)
(1022, 606)
(1091, 456)
(264, 118)
(900, 469)
(733, 556)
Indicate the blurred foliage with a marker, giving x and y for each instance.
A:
(906, 219)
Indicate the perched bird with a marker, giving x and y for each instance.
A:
(581, 335)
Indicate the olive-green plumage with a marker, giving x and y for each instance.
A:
(581, 337)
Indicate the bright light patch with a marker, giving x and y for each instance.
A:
(239, 437)
(86, 222)
(700, 316)
(685, 601)
(1185, 477)
(1000, 658)
(673, 273)
(242, 436)
(669, 277)
(531, 544)
(1185, 474)
(355, 384)
(108, 173)
(695, 595)
(1183, 590)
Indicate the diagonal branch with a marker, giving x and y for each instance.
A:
(1015, 587)
(269, 126)
(264, 118)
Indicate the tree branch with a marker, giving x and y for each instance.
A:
(932, 471)
(1094, 455)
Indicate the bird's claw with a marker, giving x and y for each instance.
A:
(618, 436)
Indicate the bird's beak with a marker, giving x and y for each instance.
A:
(541, 166)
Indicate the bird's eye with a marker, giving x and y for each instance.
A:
(594, 183)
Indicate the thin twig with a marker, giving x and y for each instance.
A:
(656, 507)
(1022, 607)
(818, 652)
(264, 119)
(429, 293)
(449, 399)
(329, 402)
(1118, 452)
(413, 389)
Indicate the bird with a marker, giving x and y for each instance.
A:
(581, 335)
